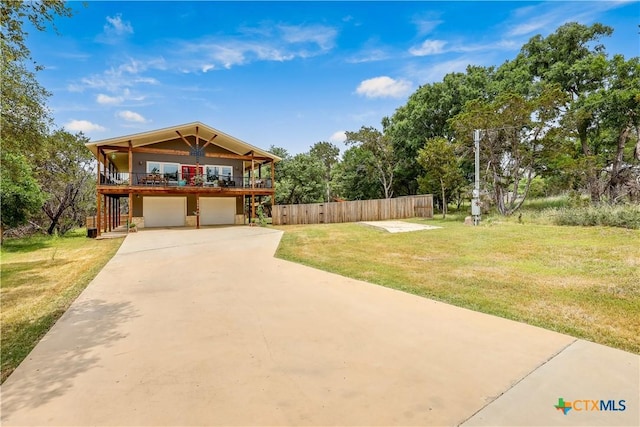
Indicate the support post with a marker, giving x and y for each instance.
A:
(273, 179)
(98, 207)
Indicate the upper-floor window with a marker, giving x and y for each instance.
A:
(222, 173)
(168, 170)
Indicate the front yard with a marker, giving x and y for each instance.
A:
(582, 281)
(40, 278)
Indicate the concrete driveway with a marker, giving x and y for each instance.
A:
(205, 327)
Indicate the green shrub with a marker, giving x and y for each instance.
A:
(624, 216)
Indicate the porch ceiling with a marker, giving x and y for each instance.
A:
(205, 133)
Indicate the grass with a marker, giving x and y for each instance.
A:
(40, 277)
(582, 281)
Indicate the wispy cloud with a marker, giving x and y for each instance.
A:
(437, 47)
(266, 43)
(115, 30)
(371, 55)
(428, 73)
(119, 79)
(428, 47)
(546, 17)
(384, 87)
(426, 26)
(83, 126)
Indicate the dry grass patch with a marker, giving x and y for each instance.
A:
(41, 277)
(582, 281)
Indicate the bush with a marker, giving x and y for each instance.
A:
(624, 216)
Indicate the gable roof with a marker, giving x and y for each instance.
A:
(205, 133)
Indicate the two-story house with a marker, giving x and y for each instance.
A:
(186, 175)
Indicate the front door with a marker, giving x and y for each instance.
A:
(189, 173)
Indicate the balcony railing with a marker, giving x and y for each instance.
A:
(182, 180)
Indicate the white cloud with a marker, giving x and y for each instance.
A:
(131, 116)
(320, 35)
(338, 137)
(384, 87)
(83, 126)
(117, 27)
(114, 30)
(117, 80)
(428, 47)
(265, 43)
(103, 99)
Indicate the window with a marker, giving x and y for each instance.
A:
(168, 170)
(222, 173)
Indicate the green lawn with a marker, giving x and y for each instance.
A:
(582, 281)
(40, 277)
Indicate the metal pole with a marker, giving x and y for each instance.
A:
(475, 201)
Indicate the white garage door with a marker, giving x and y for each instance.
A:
(217, 210)
(164, 211)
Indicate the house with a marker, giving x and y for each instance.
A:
(186, 175)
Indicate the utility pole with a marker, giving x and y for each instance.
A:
(475, 201)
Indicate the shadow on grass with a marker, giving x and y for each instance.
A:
(65, 352)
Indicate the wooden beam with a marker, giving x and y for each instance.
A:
(273, 179)
(184, 139)
(98, 193)
(209, 141)
(130, 163)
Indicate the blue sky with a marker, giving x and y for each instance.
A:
(288, 74)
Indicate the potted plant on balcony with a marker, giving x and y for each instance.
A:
(198, 180)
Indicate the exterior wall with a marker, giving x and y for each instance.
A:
(137, 206)
(138, 221)
(191, 205)
(140, 159)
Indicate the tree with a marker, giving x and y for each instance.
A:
(426, 115)
(300, 180)
(67, 179)
(327, 154)
(21, 195)
(354, 178)
(383, 160)
(12, 18)
(569, 59)
(24, 118)
(442, 168)
(618, 107)
(516, 134)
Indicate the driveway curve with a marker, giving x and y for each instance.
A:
(206, 327)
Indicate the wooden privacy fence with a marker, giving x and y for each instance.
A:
(354, 211)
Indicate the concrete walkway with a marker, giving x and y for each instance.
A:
(205, 327)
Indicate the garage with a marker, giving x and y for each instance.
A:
(164, 211)
(217, 210)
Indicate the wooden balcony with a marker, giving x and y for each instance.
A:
(154, 183)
